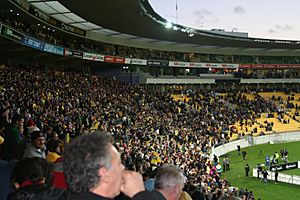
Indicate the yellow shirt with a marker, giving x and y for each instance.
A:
(1, 140)
(52, 157)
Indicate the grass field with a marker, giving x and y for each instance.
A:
(271, 191)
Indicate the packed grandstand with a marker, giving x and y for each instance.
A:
(160, 106)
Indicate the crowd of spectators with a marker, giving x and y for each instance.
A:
(148, 128)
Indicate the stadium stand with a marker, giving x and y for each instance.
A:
(151, 123)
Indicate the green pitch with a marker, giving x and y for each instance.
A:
(271, 191)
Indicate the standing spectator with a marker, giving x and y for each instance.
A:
(227, 163)
(13, 137)
(265, 175)
(247, 170)
(244, 153)
(224, 165)
(276, 175)
(286, 156)
(259, 169)
(219, 168)
(267, 161)
(216, 160)
(29, 178)
(239, 149)
(276, 157)
(169, 182)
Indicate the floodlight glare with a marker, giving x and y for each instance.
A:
(168, 25)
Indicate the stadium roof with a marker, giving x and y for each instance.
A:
(135, 22)
(129, 17)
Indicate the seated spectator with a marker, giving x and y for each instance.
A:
(94, 170)
(12, 138)
(29, 178)
(148, 181)
(58, 175)
(54, 150)
(185, 196)
(198, 195)
(6, 168)
(37, 146)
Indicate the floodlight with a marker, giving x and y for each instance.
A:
(168, 25)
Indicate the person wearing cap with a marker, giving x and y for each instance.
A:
(37, 146)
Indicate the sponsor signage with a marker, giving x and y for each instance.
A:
(36, 44)
(203, 65)
(178, 64)
(68, 52)
(77, 54)
(268, 66)
(196, 65)
(92, 56)
(10, 33)
(53, 49)
(114, 59)
(43, 16)
(72, 29)
(53, 21)
(135, 61)
(286, 166)
(157, 63)
(228, 65)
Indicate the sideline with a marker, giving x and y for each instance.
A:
(285, 178)
(274, 138)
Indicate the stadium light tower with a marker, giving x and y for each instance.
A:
(176, 12)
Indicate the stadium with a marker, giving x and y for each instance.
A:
(165, 92)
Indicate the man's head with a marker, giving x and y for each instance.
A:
(169, 180)
(38, 139)
(92, 164)
(53, 146)
(18, 120)
(30, 171)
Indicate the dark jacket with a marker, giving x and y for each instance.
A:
(12, 139)
(49, 193)
(28, 192)
(145, 195)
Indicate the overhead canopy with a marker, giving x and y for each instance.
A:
(129, 21)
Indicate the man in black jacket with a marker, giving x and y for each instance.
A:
(93, 170)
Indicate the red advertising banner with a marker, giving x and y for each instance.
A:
(268, 66)
(113, 59)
